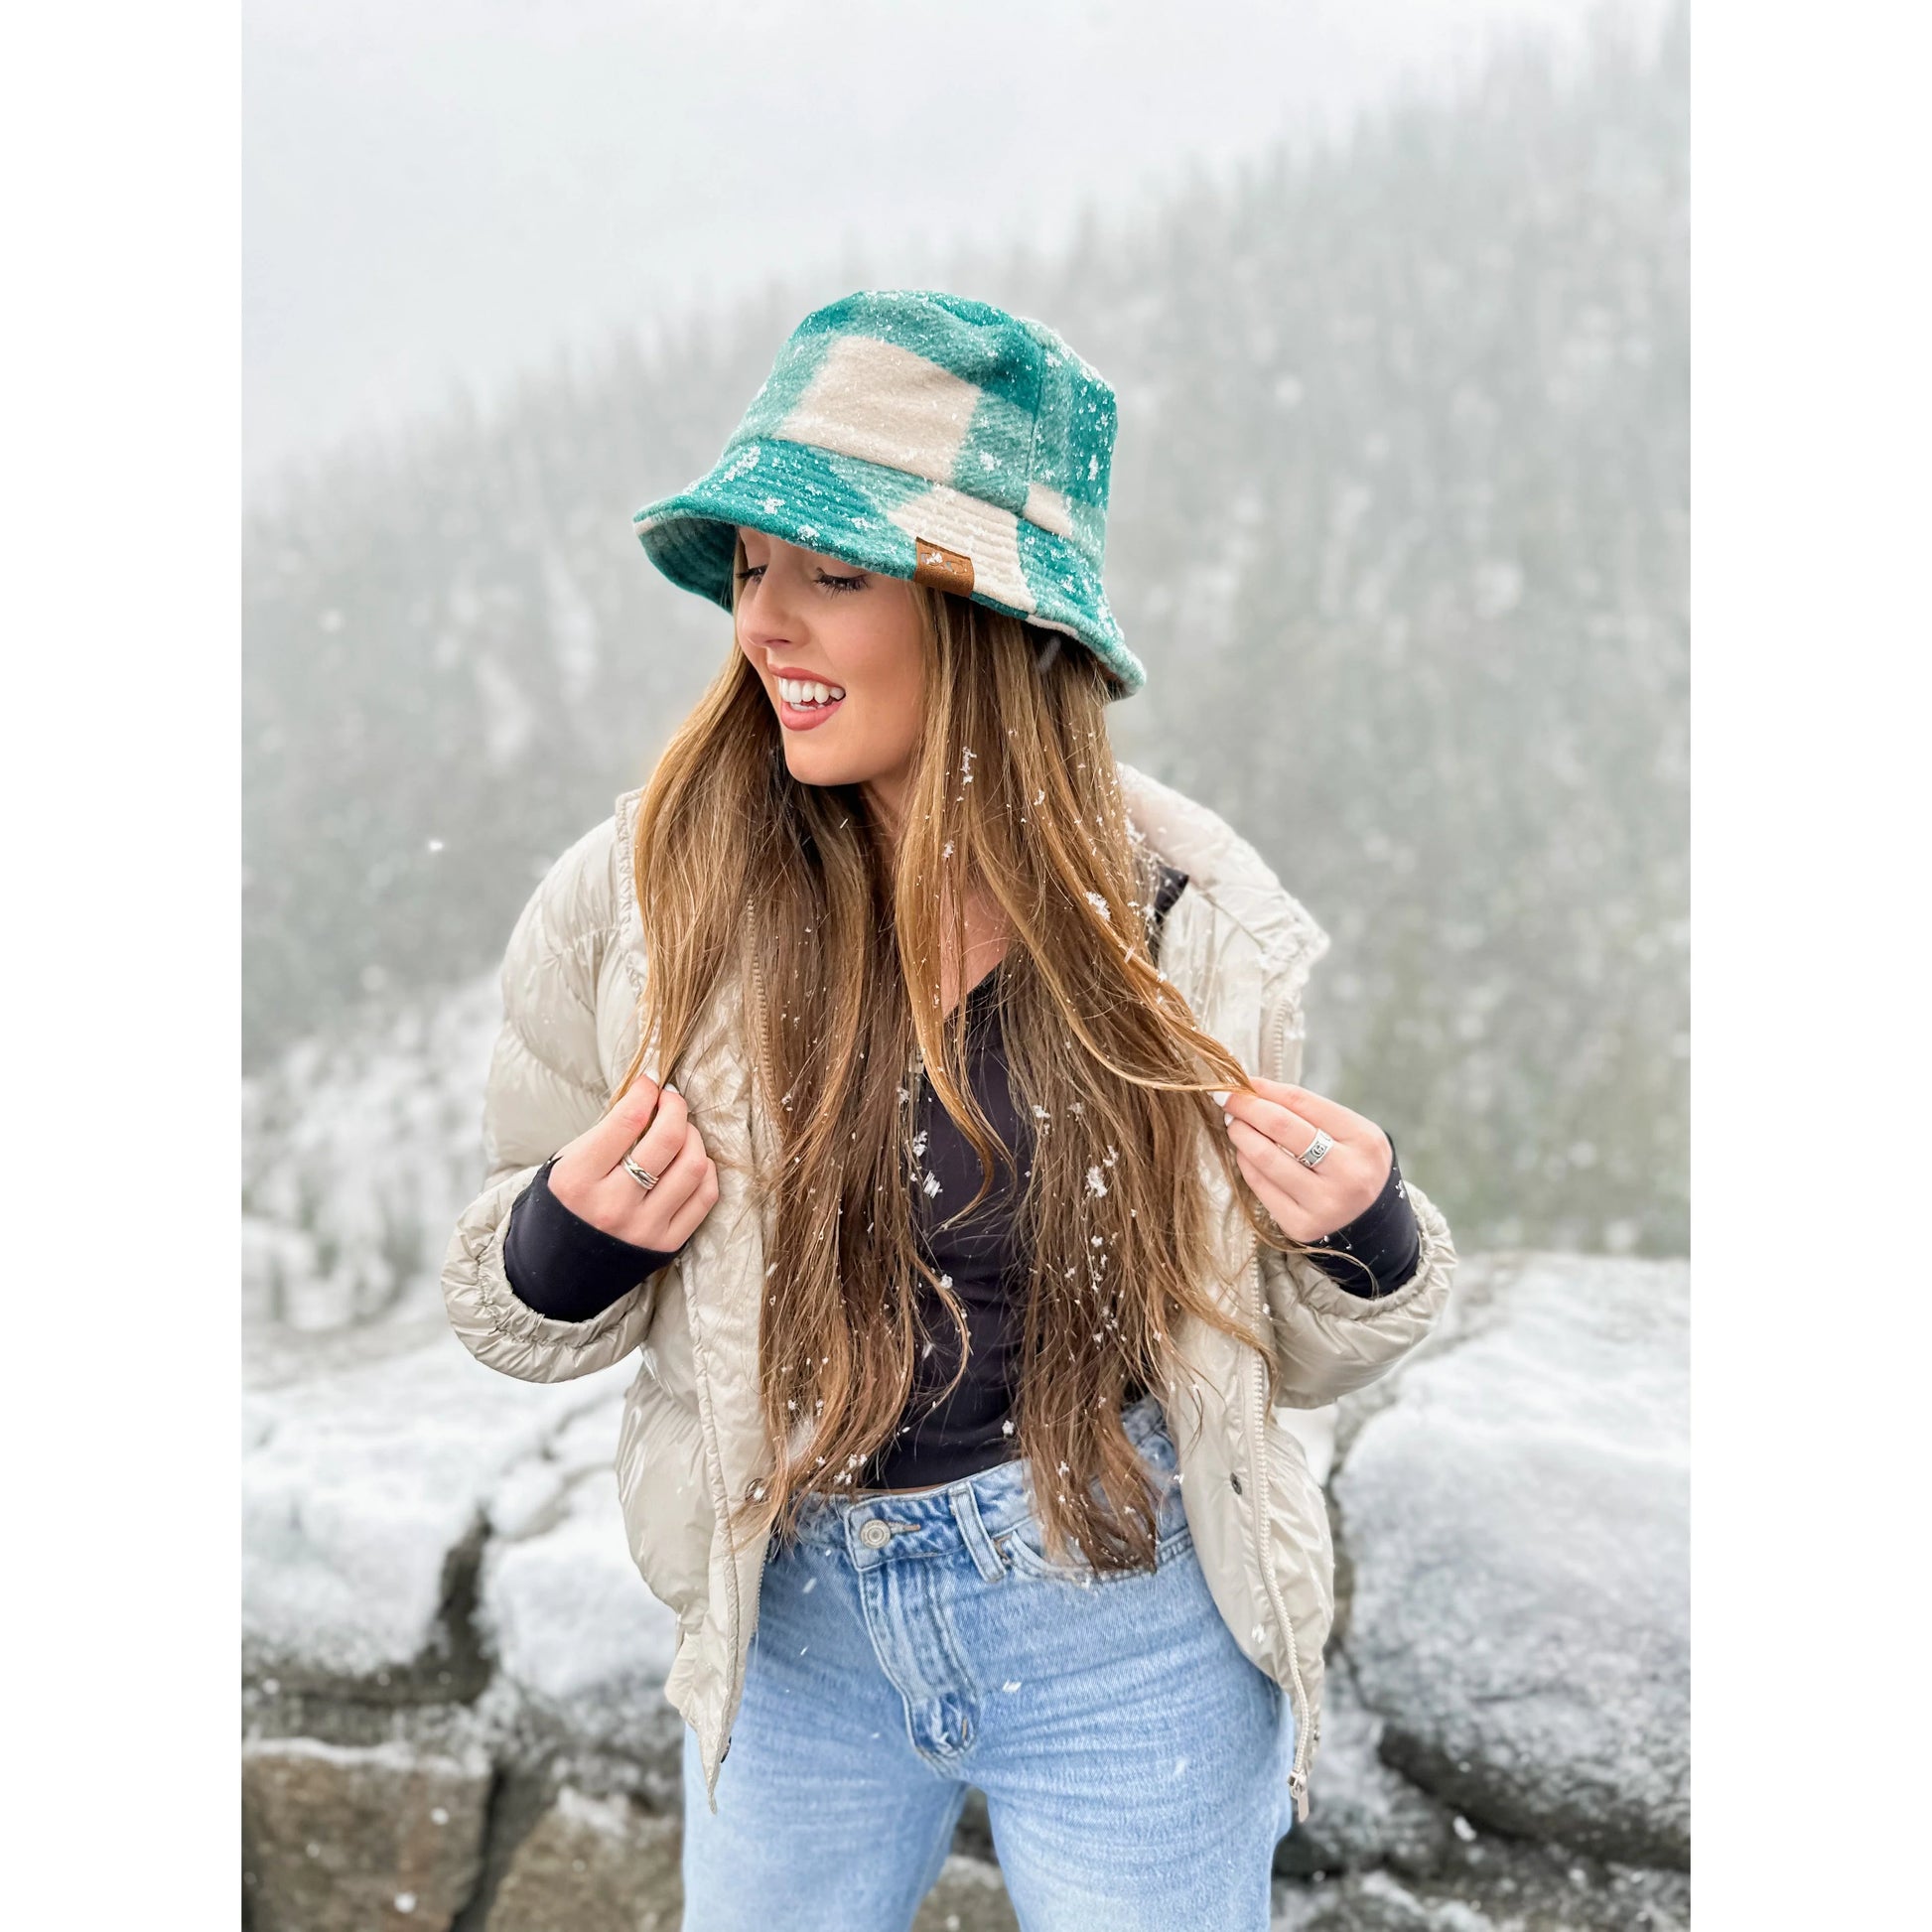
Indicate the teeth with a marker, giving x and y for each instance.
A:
(798, 691)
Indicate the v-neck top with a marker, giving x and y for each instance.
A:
(987, 1264)
(941, 1438)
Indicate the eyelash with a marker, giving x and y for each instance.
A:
(831, 582)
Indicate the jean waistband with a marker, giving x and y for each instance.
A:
(959, 1513)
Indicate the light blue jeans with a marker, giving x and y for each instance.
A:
(1134, 1762)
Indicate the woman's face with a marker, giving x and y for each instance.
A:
(813, 619)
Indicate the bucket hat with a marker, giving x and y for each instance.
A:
(920, 435)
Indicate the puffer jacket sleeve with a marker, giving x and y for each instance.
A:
(1330, 1343)
(546, 1087)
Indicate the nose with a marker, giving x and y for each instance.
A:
(766, 628)
(766, 617)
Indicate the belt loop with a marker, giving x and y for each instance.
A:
(966, 1513)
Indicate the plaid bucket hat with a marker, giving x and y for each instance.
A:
(924, 436)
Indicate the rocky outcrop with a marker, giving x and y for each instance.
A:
(453, 1676)
(1518, 1524)
(592, 1865)
(345, 1839)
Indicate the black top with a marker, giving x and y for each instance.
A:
(987, 1266)
(564, 1268)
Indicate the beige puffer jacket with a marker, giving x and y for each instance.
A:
(1235, 944)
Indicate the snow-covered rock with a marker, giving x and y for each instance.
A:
(367, 1494)
(1496, 1885)
(1516, 1513)
(562, 1607)
(1362, 1813)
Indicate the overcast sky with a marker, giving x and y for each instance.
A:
(449, 191)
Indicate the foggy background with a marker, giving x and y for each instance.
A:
(446, 196)
(1394, 295)
(1394, 298)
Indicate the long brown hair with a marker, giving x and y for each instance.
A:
(827, 922)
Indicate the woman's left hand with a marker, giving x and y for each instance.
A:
(1273, 1125)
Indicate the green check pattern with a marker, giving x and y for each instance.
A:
(897, 417)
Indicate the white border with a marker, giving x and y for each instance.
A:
(119, 150)
(1810, 423)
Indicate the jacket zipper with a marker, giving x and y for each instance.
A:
(734, 1688)
(1298, 1777)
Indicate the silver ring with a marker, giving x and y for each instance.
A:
(644, 1181)
(1310, 1156)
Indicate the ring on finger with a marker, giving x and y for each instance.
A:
(1310, 1156)
(644, 1181)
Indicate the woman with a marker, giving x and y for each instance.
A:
(977, 1224)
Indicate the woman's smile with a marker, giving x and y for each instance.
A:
(805, 703)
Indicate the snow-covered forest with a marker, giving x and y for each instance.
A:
(1399, 526)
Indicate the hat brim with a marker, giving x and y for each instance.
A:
(868, 515)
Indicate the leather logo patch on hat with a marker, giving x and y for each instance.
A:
(940, 568)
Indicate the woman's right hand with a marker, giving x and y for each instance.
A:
(652, 1126)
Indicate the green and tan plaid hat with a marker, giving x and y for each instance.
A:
(920, 435)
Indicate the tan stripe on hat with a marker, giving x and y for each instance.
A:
(883, 404)
(981, 534)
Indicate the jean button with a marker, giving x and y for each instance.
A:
(873, 1534)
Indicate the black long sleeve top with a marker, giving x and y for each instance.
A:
(563, 1266)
